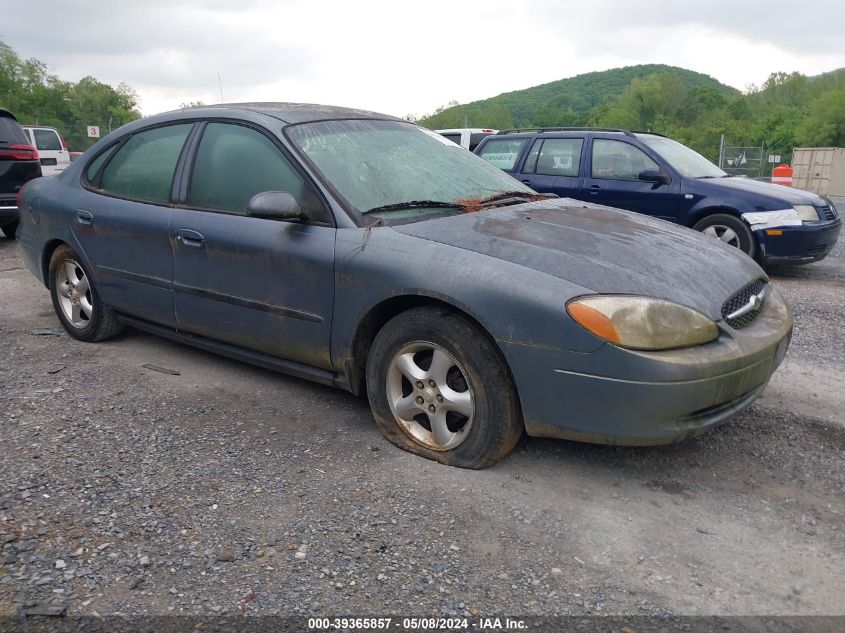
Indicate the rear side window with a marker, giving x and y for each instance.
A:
(455, 138)
(46, 139)
(94, 165)
(555, 157)
(234, 163)
(502, 152)
(143, 167)
(11, 132)
(616, 160)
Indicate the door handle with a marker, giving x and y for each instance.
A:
(85, 218)
(526, 180)
(191, 238)
(594, 189)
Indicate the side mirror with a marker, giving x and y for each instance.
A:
(654, 175)
(275, 205)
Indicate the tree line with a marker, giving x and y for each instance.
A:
(788, 110)
(36, 96)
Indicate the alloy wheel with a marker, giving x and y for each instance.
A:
(430, 396)
(74, 294)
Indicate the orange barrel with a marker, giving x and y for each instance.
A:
(782, 175)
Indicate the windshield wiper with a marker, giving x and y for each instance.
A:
(513, 194)
(464, 204)
(415, 204)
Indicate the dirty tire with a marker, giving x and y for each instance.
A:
(747, 243)
(104, 322)
(496, 420)
(9, 230)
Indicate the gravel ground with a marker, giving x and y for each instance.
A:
(228, 488)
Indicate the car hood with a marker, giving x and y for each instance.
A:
(768, 197)
(602, 250)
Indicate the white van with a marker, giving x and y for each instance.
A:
(51, 147)
(467, 137)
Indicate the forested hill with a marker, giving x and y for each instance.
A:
(788, 110)
(566, 101)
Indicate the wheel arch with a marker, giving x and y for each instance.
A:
(379, 314)
(698, 215)
(46, 255)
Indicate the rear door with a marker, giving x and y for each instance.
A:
(51, 150)
(122, 223)
(265, 285)
(553, 165)
(613, 179)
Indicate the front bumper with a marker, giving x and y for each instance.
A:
(808, 242)
(625, 397)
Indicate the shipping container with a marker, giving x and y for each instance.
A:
(819, 169)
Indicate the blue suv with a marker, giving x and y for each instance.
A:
(652, 174)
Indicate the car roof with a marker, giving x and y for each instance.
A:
(471, 130)
(575, 131)
(39, 127)
(303, 112)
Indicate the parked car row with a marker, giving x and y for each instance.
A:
(366, 252)
(18, 165)
(657, 176)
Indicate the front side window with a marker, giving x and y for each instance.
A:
(617, 160)
(373, 164)
(555, 157)
(47, 140)
(234, 163)
(502, 152)
(142, 169)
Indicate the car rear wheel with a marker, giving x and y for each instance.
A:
(75, 299)
(729, 229)
(9, 230)
(439, 387)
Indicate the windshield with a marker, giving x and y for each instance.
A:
(376, 164)
(687, 162)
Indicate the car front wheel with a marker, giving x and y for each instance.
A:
(439, 387)
(75, 299)
(729, 229)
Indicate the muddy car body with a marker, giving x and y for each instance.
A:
(552, 316)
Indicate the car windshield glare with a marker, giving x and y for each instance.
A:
(374, 164)
(687, 162)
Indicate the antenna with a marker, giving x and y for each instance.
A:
(220, 84)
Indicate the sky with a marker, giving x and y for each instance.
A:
(405, 58)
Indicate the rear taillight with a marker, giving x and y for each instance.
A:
(19, 152)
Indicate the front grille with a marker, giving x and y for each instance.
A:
(741, 299)
(817, 250)
(827, 212)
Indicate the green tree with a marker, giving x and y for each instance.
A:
(38, 97)
(824, 124)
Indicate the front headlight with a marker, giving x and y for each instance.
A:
(641, 322)
(807, 212)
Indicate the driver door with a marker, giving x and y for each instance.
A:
(264, 285)
(613, 180)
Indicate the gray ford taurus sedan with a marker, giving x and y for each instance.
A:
(368, 253)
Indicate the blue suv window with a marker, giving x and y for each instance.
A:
(502, 152)
(617, 160)
(555, 157)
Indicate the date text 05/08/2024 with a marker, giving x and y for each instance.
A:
(416, 624)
